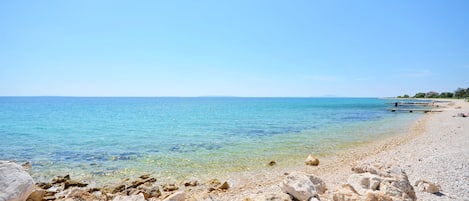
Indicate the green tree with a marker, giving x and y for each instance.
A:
(446, 95)
(406, 96)
(432, 94)
(459, 93)
(419, 95)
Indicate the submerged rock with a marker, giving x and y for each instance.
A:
(15, 183)
(170, 187)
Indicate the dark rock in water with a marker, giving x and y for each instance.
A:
(191, 183)
(70, 183)
(145, 176)
(170, 187)
(44, 185)
(60, 179)
(272, 163)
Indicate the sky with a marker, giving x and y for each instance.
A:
(250, 48)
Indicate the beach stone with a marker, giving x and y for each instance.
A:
(224, 186)
(346, 193)
(377, 182)
(272, 163)
(398, 189)
(15, 183)
(37, 194)
(312, 160)
(275, 196)
(79, 194)
(426, 186)
(377, 196)
(318, 183)
(192, 182)
(60, 179)
(70, 183)
(299, 186)
(363, 182)
(178, 196)
(138, 197)
(170, 187)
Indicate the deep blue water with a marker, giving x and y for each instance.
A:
(118, 137)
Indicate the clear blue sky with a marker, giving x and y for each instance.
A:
(233, 48)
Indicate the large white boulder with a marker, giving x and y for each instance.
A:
(299, 186)
(15, 183)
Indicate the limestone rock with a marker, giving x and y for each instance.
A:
(312, 160)
(138, 197)
(15, 183)
(374, 182)
(363, 182)
(346, 193)
(299, 186)
(215, 184)
(318, 183)
(191, 182)
(170, 187)
(277, 196)
(37, 195)
(70, 183)
(426, 186)
(178, 196)
(81, 195)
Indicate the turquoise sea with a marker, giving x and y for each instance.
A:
(106, 139)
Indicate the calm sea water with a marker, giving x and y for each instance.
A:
(112, 138)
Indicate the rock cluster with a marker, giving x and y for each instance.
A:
(143, 188)
(376, 182)
(15, 182)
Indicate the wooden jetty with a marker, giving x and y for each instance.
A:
(412, 110)
(412, 103)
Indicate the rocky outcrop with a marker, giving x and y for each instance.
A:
(15, 183)
(376, 182)
(301, 186)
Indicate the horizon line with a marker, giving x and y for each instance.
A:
(41, 96)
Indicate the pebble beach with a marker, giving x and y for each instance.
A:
(431, 159)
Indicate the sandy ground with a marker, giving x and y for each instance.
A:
(436, 149)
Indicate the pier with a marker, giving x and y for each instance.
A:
(412, 110)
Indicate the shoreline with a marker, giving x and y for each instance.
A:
(398, 149)
(334, 170)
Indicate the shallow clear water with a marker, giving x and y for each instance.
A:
(111, 138)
